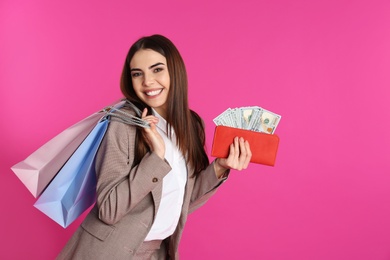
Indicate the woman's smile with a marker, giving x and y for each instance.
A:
(153, 93)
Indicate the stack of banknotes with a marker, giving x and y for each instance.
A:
(251, 118)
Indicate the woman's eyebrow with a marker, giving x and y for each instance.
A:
(151, 67)
(157, 64)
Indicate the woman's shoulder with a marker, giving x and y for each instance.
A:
(128, 110)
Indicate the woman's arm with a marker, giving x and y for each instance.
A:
(120, 187)
(206, 184)
(216, 173)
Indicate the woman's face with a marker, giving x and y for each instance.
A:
(150, 77)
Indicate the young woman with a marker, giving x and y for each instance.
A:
(149, 180)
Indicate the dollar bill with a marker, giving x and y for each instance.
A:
(222, 119)
(246, 116)
(254, 124)
(269, 121)
(252, 118)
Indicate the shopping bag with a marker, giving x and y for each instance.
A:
(264, 147)
(73, 189)
(38, 169)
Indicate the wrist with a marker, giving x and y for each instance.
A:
(220, 171)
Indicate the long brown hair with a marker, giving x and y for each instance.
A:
(188, 126)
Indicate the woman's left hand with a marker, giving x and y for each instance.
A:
(238, 159)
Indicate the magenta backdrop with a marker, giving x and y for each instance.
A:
(322, 65)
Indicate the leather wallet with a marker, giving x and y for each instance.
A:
(264, 146)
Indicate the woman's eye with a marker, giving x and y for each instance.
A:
(158, 69)
(136, 74)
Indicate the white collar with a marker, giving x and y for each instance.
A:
(162, 123)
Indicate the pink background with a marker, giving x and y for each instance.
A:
(322, 65)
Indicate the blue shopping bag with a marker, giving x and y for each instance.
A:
(73, 190)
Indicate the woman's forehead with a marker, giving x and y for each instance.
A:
(146, 58)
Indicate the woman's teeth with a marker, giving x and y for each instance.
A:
(154, 92)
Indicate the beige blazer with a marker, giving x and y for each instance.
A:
(128, 200)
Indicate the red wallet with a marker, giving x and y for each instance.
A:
(264, 146)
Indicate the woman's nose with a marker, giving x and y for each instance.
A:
(148, 79)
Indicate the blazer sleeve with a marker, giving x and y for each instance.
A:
(205, 186)
(120, 187)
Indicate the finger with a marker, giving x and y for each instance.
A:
(248, 155)
(231, 152)
(242, 147)
(146, 117)
(150, 119)
(144, 112)
(236, 147)
(230, 159)
(153, 127)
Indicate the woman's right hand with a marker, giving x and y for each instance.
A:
(153, 138)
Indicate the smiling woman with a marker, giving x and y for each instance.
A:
(149, 179)
(151, 79)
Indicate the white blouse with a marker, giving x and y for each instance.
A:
(174, 182)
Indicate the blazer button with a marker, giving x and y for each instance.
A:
(155, 180)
